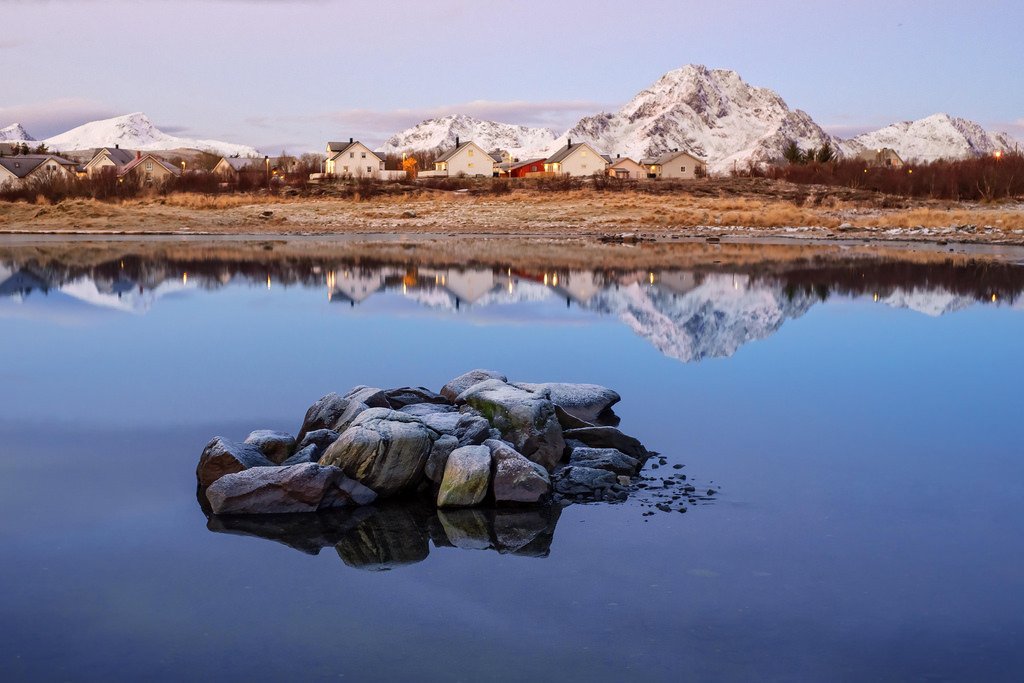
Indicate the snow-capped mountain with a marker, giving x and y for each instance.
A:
(439, 134)
(713, 113)
(15, 133)
(931, 302)
(711, 320)
(136, 131)
(939, 136)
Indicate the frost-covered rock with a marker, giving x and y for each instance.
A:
(371, 396)
(467, 475)
(407, 396)
(583, 401)
(383, 449)
(332, 412)
(320, 438)
(524, 419)
(277, 490)
(221, 457)
(609, 459)
(584, 481)
(452, 389)
(438, 458)
(609, 437)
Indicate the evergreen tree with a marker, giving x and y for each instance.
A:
(792, 153)
(825, 154)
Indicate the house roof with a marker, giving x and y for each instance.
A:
(24, 164)
(622, 160)
(151, 157)
(669, 156)
(336, 149)
(520, 164)
(117, 155)
(450, 153)
(568, 149)
(242, 163)
(496, 156)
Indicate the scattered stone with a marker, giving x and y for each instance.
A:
(467, 475)
(383, 449)
(275, 490)
(277, 446)
(525, 419)
(517, 479)
(464, 381)
(221, 457)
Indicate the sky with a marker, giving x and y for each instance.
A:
(291, 74)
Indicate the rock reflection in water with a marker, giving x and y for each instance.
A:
(379, 538)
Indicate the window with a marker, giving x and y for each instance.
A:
(149, 166)
(351, 155)
(682, 169)
(362, 155)
(369, 169)
(583, 152)
(470, 164)
(470, 152)
(345, 168)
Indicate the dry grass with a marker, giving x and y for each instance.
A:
(193, 200)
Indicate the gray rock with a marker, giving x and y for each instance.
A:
(383, 449)
(276, 490)
(421, 409)
(516, 478)
(525, 419)
(443, 423)
(609, 437)
(464, 381)
(604, 459)
(466, 528)
(467, 475)
(472, 429)
(573, 481)
(438, 458)
(308, 454)
(332, 412)
(406, 396)
(569, 421)
(221, 457)
(583, 401)
(371, 396)
(321, 438)
(277, 446)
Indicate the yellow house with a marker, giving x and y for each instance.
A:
(627, 169)
(109, 160)
(17, 170)
(465, 159)
(886, 156)
(149, 168)
(578, 159)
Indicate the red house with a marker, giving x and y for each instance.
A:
(519, 169)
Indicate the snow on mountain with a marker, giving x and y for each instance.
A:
(712, 320)
(712, 113)
(939, 136)
(136, 131)
(933, 303)
(439, 134)
(15, 133)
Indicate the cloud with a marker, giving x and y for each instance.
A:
(375, 125)
(45, 119)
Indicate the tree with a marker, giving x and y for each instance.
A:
(40, 148)
(792, 153)
(410, 167)
(825, 154)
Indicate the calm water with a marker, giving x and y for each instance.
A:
(862, 420)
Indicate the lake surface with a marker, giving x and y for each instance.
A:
(861, 420)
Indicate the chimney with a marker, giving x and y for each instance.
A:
(117, 145)
(676, 149)
(350, 141)
(618, 156)
(138, 155)
(568, 142)
(456, 140)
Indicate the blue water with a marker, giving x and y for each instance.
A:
(867, 454)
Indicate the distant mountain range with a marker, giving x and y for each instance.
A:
(132, 131)
(712, 113)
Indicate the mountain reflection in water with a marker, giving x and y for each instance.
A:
(689, 314)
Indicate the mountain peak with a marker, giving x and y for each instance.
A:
(939, 136)
(440, 133)
(15, 132)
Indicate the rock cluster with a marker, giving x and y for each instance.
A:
(480, 441)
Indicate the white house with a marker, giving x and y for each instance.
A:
(19, 169)
(578, 159)
(352, 159)
(626, 168)
(465, 159)
(675, 164)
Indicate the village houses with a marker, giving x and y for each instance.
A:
(579, 159)
(676, 165)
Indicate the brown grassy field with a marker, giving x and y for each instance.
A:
(722, 207)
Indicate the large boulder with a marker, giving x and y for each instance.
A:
(407, 396)
(332, 412)
(609, 437)
(383, 449)
(605, 459)
(320, 439)
(516, 479)
(525, 419)
(371, 396)
(421, 409)
(277, 446)
(583, 401)
(221, 457)
(467, 475)
(438, 458)
(308, 454)
(277, 490)
(573, 480)
(472, 429)
(464, 381)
